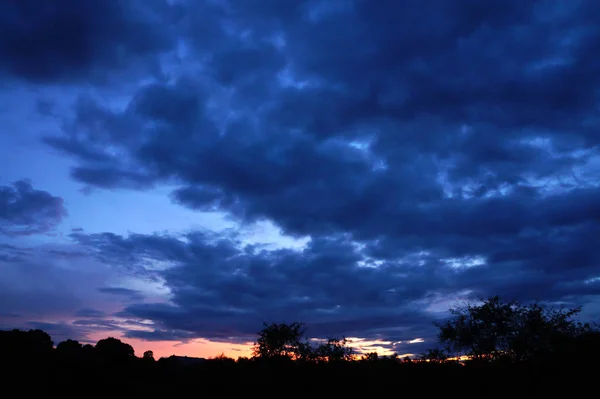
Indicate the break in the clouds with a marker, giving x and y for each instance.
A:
(416, 152)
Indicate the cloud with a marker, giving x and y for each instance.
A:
(91, 313)
(60, 331)
(38, 286)
(427, 151)
(26, 211)
(68, 41)
(41, 287)
(102, 324)
(11, 253)
(374, 137)
(222, 289)
(160, 335)
(127, 292)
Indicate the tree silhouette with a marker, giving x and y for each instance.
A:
(148, 356)
(223, 360)
(69, 350)
(334, 350)
(113, 349)
(496, 329)
(279, 341)
(287, 341)
(20, 344)
(370, 357)
(88, 350)
(69, 346)
(434, 355)
(40, 341)
(535, 344)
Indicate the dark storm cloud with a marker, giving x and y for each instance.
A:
(71, 40)
(427, 113)
(449, 145)
(25, 210)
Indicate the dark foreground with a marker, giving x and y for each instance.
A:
(138, 377)
(523, 351)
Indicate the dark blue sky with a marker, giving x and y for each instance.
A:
(181, 171)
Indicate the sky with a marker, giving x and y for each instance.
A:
(175, 173)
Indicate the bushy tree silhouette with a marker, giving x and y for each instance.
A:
(279, 341)
(17, 344)
(114, 349)
(370, 357)
(497, 329)
(88, 351)
(434, 355)
(69, 346)
(333, 350)
(148, 356)
(69, 350)
(530, 345)
(287, 341)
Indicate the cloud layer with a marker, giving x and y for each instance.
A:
(69, 41)
(26, 211)
(427, 151)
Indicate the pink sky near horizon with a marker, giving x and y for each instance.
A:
(210, 349)
(194, 348)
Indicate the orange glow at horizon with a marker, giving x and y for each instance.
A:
(209, 349)
(194, 348)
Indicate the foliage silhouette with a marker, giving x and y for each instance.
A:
(334, 350)
(113, 349)
(436, 355)
(287, 342)
(498, 329)
(69, 351)
(370, 357)
(513, 348)
(17, 344)
(149, 356)
(279, 341)
(69, 347)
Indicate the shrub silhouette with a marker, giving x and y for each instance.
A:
(498, 329)
(287, 342)
(149, 356)
(114, 350)
(279, 341)
(69, 351)
(514, 348)
(17, 344)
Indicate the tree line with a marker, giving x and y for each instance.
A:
(523, 344)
